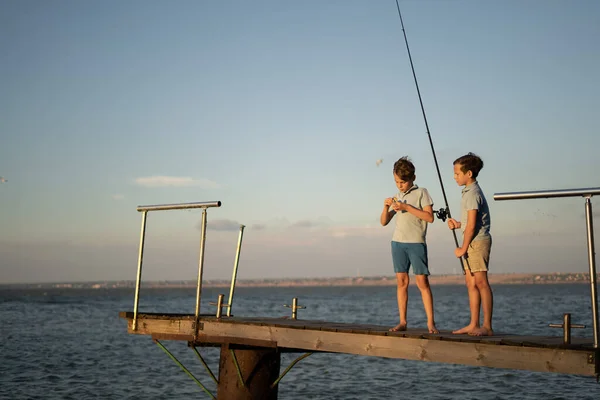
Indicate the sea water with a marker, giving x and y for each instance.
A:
(71, 344)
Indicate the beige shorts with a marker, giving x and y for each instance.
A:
(478, 256)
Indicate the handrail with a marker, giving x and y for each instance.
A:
(180, 206)
(587, 193)
(544, 194)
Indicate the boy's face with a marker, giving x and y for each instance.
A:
(460, 177)
(403, 185)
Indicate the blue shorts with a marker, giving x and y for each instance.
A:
(406, 254)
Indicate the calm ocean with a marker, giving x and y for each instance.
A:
(71, 344)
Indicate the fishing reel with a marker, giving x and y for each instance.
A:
(442, 214)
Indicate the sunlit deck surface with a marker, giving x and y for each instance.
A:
(533, 353)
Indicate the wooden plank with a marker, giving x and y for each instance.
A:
(476, 354)
(506, 339)
(287, 322)
(518, 352)
(148, 326)
(170, 336)
(202, 338)
(509, 339)
(129, 315)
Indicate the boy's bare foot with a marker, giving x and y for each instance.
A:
(432, 329)
(400, 327)
(481, 332)
(466, 330)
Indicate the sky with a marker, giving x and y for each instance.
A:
(280, 110)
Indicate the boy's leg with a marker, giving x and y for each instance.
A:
(402, 295)
(479, 255)
(487, 303)
(474, 304)
(417, 253)
(480, 292)
(423, 285)
(401, 265)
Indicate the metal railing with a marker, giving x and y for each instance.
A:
(587, 193)
(161, 207)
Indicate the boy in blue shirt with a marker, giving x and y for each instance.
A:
(413, 209)
(477, 244)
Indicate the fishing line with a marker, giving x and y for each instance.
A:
(442, 213)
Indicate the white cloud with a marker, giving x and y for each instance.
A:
(174, 181)
(305, 223)
(284, 223)
(358, 231)
(118, 196)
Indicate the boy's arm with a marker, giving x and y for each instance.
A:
(426, 214)
(469, 233)
(386, 214)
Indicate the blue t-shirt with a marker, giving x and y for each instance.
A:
(473, 199)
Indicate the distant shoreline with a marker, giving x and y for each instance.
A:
(503, 279)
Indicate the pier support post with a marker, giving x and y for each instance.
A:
(247, 373)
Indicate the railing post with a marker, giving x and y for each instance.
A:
(295, 307)
(592, 261)
(220, 306)
(235, 268)
(200, 264)
(138, 278)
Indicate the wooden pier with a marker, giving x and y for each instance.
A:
(251, 347)
(272, 336)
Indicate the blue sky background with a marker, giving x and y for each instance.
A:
(280, 109)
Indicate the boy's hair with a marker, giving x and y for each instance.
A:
(404, 169)
(470, 162)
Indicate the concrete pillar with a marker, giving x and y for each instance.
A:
(259, 367)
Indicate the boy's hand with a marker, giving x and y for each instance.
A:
(459, 252)
(453, 224)
(388, 202)
(399, 206)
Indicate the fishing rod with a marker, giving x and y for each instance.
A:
(442, 213)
